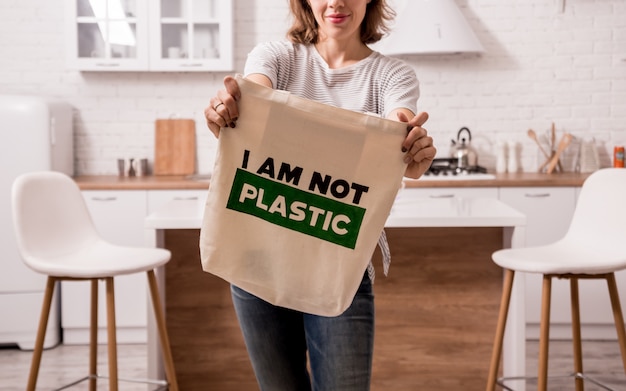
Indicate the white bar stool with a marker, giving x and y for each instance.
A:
(593, 248)
(56, 237)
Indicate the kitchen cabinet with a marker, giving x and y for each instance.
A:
(107, 35)
(158, 198)
(119, 217)
(146, 35)
(191, 35)
(449, 192)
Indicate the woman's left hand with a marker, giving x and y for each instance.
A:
(418, 145)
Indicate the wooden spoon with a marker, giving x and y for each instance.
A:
(564, 143)
(553, 145)
(533, 135)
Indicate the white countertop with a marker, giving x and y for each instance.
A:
(406, 212)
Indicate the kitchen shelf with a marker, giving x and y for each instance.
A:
(150, 35)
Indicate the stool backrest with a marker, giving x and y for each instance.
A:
(600, 215)
(50, 218)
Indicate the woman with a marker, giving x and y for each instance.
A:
(325, 59)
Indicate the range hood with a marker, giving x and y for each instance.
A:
(428, 27)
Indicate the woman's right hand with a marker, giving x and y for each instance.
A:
(223, 109)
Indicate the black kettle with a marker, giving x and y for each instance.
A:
(462, 151)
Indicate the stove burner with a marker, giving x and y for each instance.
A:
(448, 166)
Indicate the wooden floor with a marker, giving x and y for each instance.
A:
(64, 364)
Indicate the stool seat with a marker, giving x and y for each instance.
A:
(104, 260)
(565, 256)
(56, 237)
(594, 247)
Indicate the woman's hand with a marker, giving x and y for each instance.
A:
(223, 109)
(418, 145)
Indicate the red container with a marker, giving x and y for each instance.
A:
(618, 156)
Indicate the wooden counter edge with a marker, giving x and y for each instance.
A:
(148, 182)
(522, 179)
(181, 182)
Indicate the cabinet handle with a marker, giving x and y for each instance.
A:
(441, 196)
(104, 199)
(191, 65)
(108, 64)
(538, 195)
(185, 198)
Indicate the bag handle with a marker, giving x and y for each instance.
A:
(278, 96)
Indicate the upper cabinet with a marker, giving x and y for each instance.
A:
(191, 35)
(150, 35)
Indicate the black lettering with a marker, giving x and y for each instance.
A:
(267, 168)
(288, 175)
(246, 155)
(319, 182)
(340, 188)
(358, 191)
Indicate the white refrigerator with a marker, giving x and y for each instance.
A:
(35, 134)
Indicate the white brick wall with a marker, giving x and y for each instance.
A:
(540, 66)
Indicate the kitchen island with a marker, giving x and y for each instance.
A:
(436, 311)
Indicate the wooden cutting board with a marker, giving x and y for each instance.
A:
(175, 147)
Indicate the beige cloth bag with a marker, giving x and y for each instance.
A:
(298, 198)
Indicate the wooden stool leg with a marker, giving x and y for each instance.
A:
(93, 336)
(168, 360)
(111, 334)
(617, 315)
(41, 334)
(576, 335)
(544, 338)
(497, 343)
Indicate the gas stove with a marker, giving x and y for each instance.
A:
(447, 169)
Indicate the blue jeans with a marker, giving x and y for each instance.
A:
(339, 348)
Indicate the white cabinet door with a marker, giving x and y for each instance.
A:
(449, 192)
(119, 217)
(107, 35)
(191, 35)
(158, 198)
(548, 212)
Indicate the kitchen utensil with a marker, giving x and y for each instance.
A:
(563, 144)
(553, 145)
(175, 147)
(462, 151)
(533, 135)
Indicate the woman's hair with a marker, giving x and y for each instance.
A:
(373, 28)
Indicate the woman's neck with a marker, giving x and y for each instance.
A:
(340, 54)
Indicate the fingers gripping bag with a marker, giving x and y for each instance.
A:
(298, 199)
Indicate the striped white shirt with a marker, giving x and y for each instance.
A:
(376, 84)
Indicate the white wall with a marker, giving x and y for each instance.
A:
(541, 65)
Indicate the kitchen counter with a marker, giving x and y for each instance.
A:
(436, 311)
(179, 182)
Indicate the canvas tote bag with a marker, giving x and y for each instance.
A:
(298, 198)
